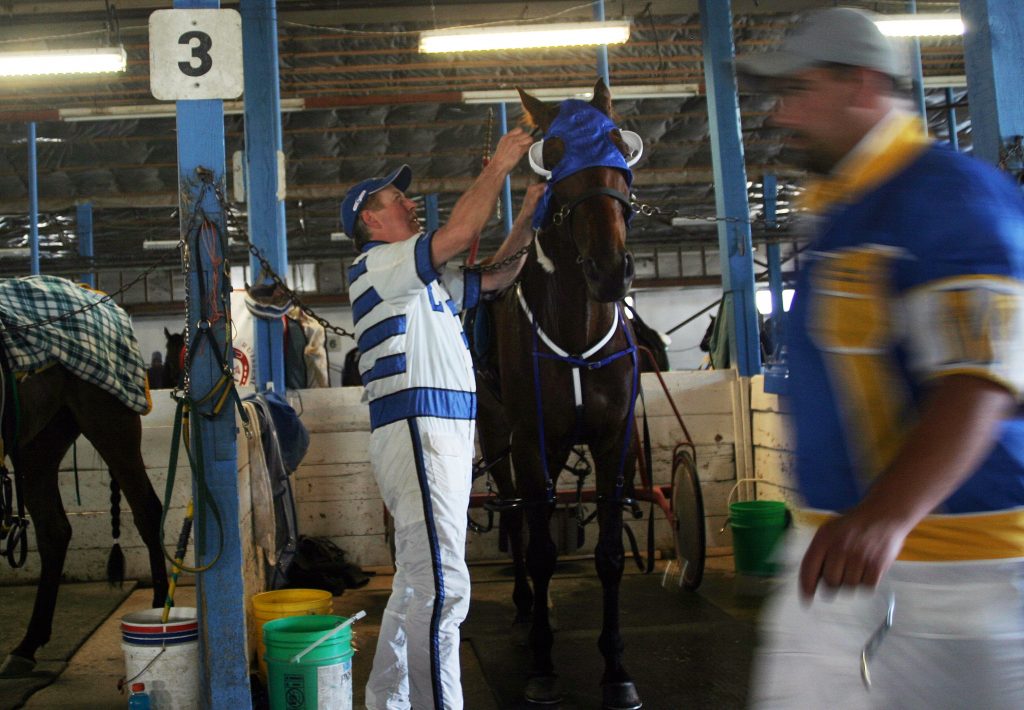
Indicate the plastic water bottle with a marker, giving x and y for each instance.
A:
(139, 699)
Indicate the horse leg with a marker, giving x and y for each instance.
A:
(116, 432)
(541, 556)
(618, 690)
(38, 461)
(494, 432)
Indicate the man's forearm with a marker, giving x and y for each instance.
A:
(518, 238)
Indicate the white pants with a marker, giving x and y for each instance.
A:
(424, 469)
(957, 639)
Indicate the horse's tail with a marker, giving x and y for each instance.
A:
(115, 562)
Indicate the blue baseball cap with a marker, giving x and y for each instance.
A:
(355, 198)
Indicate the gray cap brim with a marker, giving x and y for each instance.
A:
(772, 64)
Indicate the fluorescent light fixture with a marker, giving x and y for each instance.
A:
(15, 252)
(167, 109)
(339, 237)
(639, 91)
(560, 34)
(946, 80)
(63, 61)
(921, 25)
(151, 244)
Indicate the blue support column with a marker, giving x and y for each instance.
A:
(770, 188)
(734, 243)
(83, 230)
(954, 139)
(264, 192)
(506, 191)
(433, 215)
(602, 51)
(33, 200)
(220, 593)
(993, 46)
(916, 72)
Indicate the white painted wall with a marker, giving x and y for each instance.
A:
(660, 308)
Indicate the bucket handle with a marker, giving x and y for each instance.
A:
(343, 625)
(728, 500)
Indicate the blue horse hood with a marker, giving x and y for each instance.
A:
(584, 130)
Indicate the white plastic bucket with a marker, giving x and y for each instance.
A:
(163, 656)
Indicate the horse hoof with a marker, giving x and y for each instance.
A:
(543, 690)
(520, 633)
(17, 667)
(621, 696)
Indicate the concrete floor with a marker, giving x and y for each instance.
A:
(684, 649)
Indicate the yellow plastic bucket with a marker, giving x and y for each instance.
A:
(281, 603)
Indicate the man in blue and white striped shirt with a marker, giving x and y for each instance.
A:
(416, 367)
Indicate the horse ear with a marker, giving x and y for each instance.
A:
(602, 100)
(167, 333)
(538, 113)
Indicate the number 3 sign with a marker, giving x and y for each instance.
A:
(195, 54)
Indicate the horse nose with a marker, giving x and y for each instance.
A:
(628, 269)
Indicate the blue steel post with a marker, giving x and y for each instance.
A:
(916, 73)
(83, 230)
(433, 216)
(33, 200)
(264, 190)
(734, 243)
(993, 46)
(954, 139)
(506, 191)
(602, 51)
(220, 593)
(770, 186)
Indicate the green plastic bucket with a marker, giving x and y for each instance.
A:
(319, 680)
(757, 526)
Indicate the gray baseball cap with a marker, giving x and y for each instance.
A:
(837, 35)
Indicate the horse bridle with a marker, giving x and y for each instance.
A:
(566, 210)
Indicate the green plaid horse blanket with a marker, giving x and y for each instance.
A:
(97, 345)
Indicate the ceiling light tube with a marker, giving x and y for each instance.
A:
(63, 61)
(150, 244)
(562, 34)
(639, 91)
(921, 25)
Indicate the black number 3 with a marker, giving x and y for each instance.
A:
(201, 52)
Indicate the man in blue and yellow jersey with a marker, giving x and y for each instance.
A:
(906, 360)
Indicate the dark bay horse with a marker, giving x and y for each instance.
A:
(56, 407)
(568, 369)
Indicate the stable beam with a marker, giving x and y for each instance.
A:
(993, 46)
(220, 592)
(264, 166)
(33, 201)
(83, 230)
(734, 239)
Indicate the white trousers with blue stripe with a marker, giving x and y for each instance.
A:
(423, 468)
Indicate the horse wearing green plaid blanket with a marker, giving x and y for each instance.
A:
(87, 378)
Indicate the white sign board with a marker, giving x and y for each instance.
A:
(195, 54)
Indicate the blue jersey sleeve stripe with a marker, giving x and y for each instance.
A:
(471, 294)
(465, 340)
(385, 367)
(356, 270)
(424, 264)
(379, 332)
(364, 304)
(452, 308)
(422, 402)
